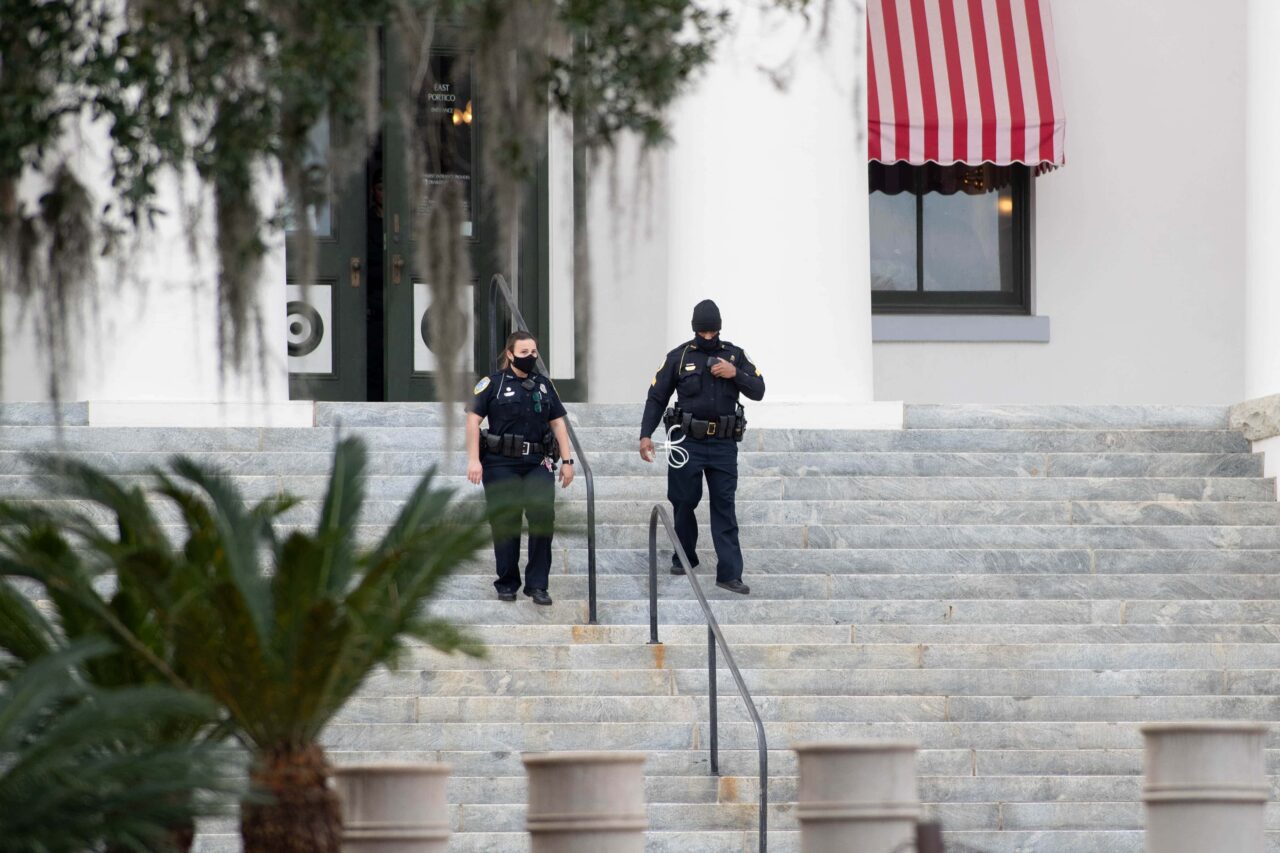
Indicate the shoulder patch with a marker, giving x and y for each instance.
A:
(481, 385)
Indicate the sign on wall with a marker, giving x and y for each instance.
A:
(310, 328)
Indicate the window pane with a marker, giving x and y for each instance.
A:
(893, 241)
(317, 165)
(968, 242)
(446, 125)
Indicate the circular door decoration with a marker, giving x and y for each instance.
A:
(306, 329)
(424, 358)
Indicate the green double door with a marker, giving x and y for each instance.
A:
(360, 329)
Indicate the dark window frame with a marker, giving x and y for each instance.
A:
(1016, 302)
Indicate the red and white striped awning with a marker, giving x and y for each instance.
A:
(963, 81)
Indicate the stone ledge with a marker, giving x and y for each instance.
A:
(1258, 418)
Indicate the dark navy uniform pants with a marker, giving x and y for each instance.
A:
(717, 460)
(521, 489)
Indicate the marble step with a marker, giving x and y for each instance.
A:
(1046, 841)
(855, 656)
(644, 737)
(635, 635)
(972, 562)
(653, 488)
(925, 512)
(916, 415)
(765, 537)
(945, 561)
(28, 414)
(445, 681)
(837, 512)
(1038, 587)
(761, 538)
(614, 590)
(736, 610)
(957, 764)
(797, 463)
(593, 439)
(685, 709)
(731, 609)
(981, 415)
(987, 841)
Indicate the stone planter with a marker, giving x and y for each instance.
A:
(393, 808)
(586, 802)
(859, 796)
(1206, 787)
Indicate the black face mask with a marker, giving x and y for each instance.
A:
(524, 363)
(709, 345)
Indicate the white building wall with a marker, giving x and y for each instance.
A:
(152, 354)
(627, 236)
(1139, 238)
(1140, 248)
(1262, 259)
(759, 204)
(146, 348)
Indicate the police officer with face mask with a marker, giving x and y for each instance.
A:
(707, 375)
(515, 461)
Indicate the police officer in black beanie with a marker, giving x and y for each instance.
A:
(707, 375)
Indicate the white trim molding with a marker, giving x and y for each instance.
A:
(959, 328)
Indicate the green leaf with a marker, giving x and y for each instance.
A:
(24, 631)
(239, 535)
(84, 768)
(342, 504)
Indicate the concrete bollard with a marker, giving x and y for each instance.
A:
(1206, 787)
(586, 802)
(393, 808)
(859, 796)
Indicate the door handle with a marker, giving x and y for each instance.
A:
(397, 264)
(355, 272)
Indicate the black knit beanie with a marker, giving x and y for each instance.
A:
(706, 317)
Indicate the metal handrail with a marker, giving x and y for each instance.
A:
(498, 287)
(714, 637)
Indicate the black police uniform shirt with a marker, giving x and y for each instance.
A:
(686, 372)
(513, 409)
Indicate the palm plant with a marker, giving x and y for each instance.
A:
(34, 544)
(280, 631)
(79, 770)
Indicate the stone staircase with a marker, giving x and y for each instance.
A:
(1014, 588)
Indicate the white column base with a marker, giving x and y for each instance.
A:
(199, 413)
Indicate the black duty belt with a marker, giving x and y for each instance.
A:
(511, 445)
(721, 427)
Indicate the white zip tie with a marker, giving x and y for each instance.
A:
(677, 456)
